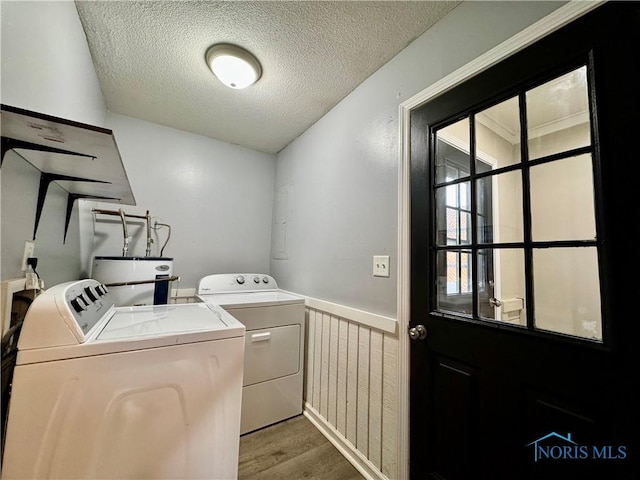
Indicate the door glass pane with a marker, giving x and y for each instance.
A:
(558, 115)
(454, 281)
(501, 285)
(498, 134)
(453, 216)
(452, 152)
(562, 200)
(499, 208)
(567, 291)
(561, 209)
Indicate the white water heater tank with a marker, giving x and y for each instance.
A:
(113, 270)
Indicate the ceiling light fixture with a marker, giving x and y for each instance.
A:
(234, 66)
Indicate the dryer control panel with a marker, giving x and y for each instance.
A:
(236, 282)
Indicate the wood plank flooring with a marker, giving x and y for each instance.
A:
(293, 449)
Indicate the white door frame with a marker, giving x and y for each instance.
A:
(552, 22)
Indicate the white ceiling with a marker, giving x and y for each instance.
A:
(149, 58)
(551, 107)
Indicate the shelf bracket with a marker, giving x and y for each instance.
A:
(71, 199)
(12, 143)
(45, 181)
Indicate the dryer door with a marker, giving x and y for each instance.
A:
(271, 353)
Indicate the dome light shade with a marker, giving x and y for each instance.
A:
(234, 66)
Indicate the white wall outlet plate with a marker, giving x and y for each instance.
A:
(32, 282)
(381, 265)
(29, 248)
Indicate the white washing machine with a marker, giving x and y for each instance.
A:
(274, 343)
(110, 392)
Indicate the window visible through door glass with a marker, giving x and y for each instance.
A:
(452, 152)
(455, 281)
(453, 214)
(523, 226)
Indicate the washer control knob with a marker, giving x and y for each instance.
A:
(240, 279)
(78, 305)
(256, 279)
(91, 293)
(265, 279)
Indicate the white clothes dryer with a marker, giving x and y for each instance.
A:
(274, 343)
(109, 392)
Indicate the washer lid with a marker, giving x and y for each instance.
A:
(253, 299)
(161, 320)
(144, 327)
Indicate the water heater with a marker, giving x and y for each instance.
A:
(117, 270)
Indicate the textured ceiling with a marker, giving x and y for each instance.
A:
(149, 58)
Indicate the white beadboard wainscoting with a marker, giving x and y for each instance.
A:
(351, 384)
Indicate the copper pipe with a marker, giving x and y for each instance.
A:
(116, 213)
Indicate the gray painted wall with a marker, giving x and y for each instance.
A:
(57, 262)
(343, 171)
(216, 196)
(46, 67)
(46, 64)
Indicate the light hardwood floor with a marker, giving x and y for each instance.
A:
(292, 450)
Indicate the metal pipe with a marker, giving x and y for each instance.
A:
(149, 239)
(155, 227)
(142, 282)
(125, 248)
(123, 217)
(116, 213)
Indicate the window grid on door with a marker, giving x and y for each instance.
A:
(471, 246)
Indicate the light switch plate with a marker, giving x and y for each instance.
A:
(381, 265)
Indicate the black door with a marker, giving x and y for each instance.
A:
(524, 261)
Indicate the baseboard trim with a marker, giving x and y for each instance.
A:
(344, 446)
